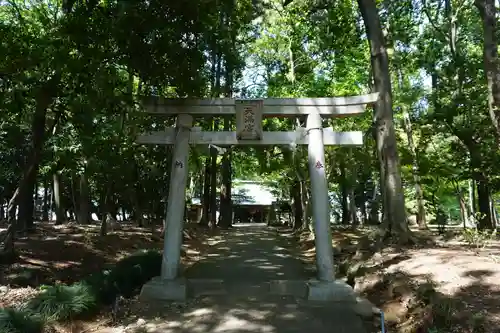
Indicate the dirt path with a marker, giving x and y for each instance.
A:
(248, 253)
(442, 283)
(245, 258)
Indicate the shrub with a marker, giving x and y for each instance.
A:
(62, 302)
(19, 321)
(478, 239)
(101, 286)
(127, 277)
(132, 272)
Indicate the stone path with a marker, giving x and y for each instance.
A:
(244, 260)
(249, 255)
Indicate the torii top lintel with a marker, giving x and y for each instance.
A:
(325, 106)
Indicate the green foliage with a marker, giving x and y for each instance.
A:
(62, 302)
(132, 272)
(19, 321)
(107, 55)
(110, 54)
(478, 239)
(101, 286)
(126, 277)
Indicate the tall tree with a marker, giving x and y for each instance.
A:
(385, 135)
(488, 12)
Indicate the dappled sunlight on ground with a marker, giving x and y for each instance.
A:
(464, 282)
(243, 261)
(233, 315)
(69, 252)
(233, 256)
(450, 268)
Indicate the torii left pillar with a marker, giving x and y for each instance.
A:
(169, 286)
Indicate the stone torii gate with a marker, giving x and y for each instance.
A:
(249, 114)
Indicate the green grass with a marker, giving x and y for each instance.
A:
(20, 321)
(66, 302)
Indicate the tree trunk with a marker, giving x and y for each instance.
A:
(307, 208)
(35, 197)
(487, 10)
(106, 212)
(59, 211)
(44, 98)
(394, 201)
(473, 198)
(205, 216)
(137, 212)
(483, 198)
(45, 212)
(2, 209)
(103, 231)
(364, 216)
(27, 204)
(137, 197)
(344, 192)
(493, 210)
(83, 212)
(419, 193)
(213, 187)
(353, 210)
(373, 218)
(353, 217)
(298, 212)
(226, 211)
(463, 209)
(304, 204)
(216, 92)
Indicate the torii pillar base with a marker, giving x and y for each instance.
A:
(158, 289)
(335, 291)
(339, 292)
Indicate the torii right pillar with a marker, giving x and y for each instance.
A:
(325, 288)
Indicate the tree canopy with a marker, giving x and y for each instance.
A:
(73, 75)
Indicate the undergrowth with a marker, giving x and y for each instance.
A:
(17, 321)
(478, 239)
(66, 302)
(62, 302)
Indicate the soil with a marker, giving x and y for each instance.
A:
(69, 252)
(244, 258)
(440, 283)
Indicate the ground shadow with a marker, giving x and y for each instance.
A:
(412, 304)
(70, 252)
(242, 315)
(249, 253)
(381, 271)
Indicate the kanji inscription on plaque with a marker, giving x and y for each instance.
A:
(249, 119)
